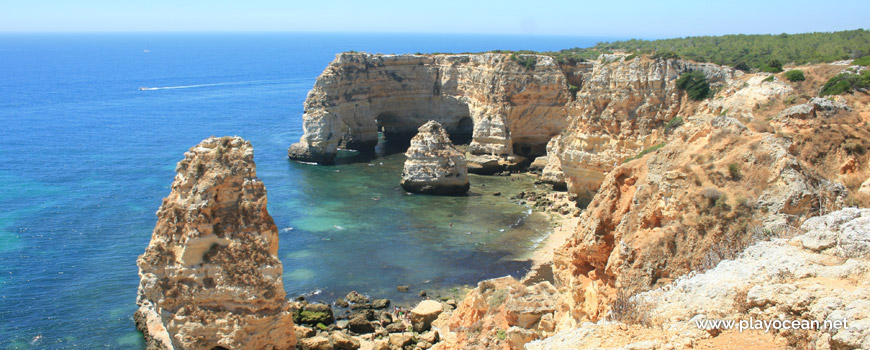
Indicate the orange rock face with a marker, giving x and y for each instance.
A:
(210, 276)
(712, 190)
(501, 313)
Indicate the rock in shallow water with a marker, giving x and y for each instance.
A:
(210, 276)
(434, 165)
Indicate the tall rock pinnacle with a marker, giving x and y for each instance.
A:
(210, 277)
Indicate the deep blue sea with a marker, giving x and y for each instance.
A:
(86, 158)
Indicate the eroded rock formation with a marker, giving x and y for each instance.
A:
(511, 111)
(491, 99)
(621, 108)
(210, 277)
(821, 276)
(434, 165)
(500, 313)
(713, 189)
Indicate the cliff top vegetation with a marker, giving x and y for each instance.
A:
(763, 52)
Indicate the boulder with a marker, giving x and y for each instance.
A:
(397, 327)
(484, 164)
(431, 337)
(380, 303)
(313, 314)
(356, 298)
(865, 187)
(305, 332)
(423, 315)
(846, 231)
(360, 325)
(434, 165)
(539, 163)
(315, 343)
(342, 341)
(400, 340)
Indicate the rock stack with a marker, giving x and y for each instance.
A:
(434, 165)
(210, 277)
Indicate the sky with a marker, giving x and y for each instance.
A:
(626, 18)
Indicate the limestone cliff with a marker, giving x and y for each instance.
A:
(821, 276)
(502, 106)
(210, 277)
(434, 165)
(715, 187)
(506, 108)
(621, 108)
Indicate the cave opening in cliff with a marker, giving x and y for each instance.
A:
(530, 148)
(394, 134)
(462, 133)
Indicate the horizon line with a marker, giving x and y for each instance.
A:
(613, 37)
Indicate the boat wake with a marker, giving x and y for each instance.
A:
(214, 84)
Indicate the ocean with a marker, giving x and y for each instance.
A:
(86, 158)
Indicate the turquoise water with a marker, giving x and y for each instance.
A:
(86, 158)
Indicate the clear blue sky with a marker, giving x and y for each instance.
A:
(626, 18)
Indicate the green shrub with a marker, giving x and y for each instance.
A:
(743, 52)
(772, 66)
(644, 152)
(527, 61)
(846, 82)
(795, 75)
(573, 89)
(863, 61)
(768, 79)
(666, 54)
(500, 334)
(734, 171)
(674, 123)
(630, 57)
(322, 327)
(695, 84)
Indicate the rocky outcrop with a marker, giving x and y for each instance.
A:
(500, 313)
(816, 107)
(807, 278)
(507, 108)
(502, 106)
(621, 108)
(210, 277)
(434, 165)
(708, 193)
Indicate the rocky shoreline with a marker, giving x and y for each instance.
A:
(677, 195)
(360, 321)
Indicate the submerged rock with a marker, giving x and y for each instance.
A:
(434, 165)
(210, 277)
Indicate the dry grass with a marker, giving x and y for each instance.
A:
(629, 310)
